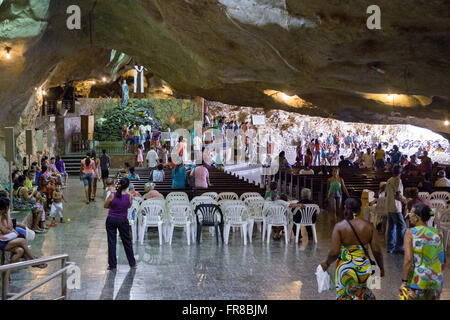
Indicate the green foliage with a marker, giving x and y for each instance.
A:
(109, 126)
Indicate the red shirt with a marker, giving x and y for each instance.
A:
(317, 146)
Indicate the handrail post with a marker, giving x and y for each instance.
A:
(5, 284)
(64, 279)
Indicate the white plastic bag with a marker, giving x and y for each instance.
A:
(30, 235)
(323, 279)
(374, 281)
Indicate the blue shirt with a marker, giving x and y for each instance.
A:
(395, 157)
(179, 178)
(36, 179)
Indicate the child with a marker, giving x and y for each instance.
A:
(57, 205)
(37, 218)
(110, 188)
(39, 209)
(140, 157)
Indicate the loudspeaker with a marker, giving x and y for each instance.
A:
(10, 144)
(87, 127)
(50, 138)
(39, 141)
(29, 142)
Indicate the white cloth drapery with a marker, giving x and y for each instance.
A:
(138, 71)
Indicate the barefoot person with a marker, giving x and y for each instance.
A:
(335, 186)
(118, 204)
(17, 246)
(86, 174)
(57, 205)
(349, 239)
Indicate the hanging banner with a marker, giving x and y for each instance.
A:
(50, 135)
(259, 119)
(138, 72)
(40, 141)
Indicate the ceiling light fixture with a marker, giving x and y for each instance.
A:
(446, 122)
(390, 97)
(104, 79)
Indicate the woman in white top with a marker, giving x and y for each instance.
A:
(158, 174)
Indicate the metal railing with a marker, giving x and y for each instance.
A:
(5, 271)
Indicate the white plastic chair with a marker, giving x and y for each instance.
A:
(438, 204)
(424, 196)
(159, 201)
(180, 215)
(133, 218)
(276, 216)
(177, 199)
(255, 207)
(176, 194)
(441, 195)
(246, 195)
(225, 203)
(213, 195)
(235, 216)
(380, 211)
(151, 215)
(227, 196)
(307, 214)
(202, 200)
(178, 203)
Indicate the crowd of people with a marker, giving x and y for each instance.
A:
(39, 188)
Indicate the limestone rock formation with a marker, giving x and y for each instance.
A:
(233, 51)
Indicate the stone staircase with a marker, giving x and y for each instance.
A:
(72, 162)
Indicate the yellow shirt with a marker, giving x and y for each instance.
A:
(379, 154)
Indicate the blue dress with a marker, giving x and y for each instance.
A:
(179, 178)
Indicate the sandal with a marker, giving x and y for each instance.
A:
(52, 224)
(41, 266)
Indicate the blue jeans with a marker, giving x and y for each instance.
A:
(396, 231)
(316, 156)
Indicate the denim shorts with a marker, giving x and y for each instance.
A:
(137, 139)
(87, 179)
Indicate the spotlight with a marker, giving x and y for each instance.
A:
(446, 122)
(284, 96)
(104, 79)
(93, 82)
(44, 92)
(390, 97)
(8, 54)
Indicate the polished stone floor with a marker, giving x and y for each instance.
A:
(179, 271)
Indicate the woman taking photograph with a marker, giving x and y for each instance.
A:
(86, 174)
(118, 204)
(349, 240)
(335, 186)
(424, 260)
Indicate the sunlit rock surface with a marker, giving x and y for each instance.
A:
(287, 129)
(233, 51)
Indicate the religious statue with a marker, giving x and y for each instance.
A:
(125, 93)
(138, 71)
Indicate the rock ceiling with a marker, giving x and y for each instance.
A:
(318, 57)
